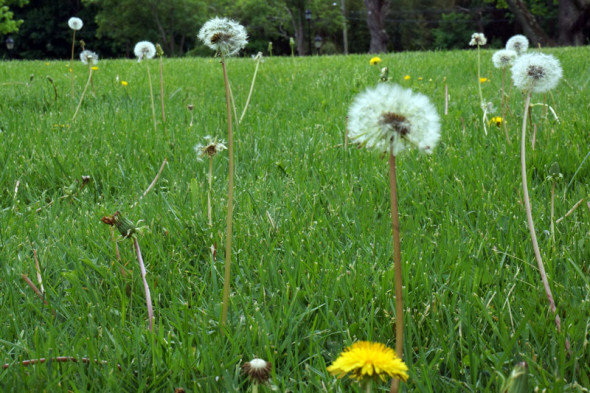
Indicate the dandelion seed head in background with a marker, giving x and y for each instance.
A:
(257, 370)
(478, 39)
(88, 57)
(518, 43)
(75, 23)
(390, 118)
(536, 72)
(503, 58)
(224, 35)
(367, 360)
(210, 148)
(144, 50)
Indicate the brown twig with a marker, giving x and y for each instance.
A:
(570, 211)
(34, 288)
(59, 359)
(153, 183)
(39, 278)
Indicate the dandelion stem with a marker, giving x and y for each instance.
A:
(399, 304)
(553, 212)
(230, 198)
(210, 180)
(72, 62)
(482, 103)
(151, 95)
(83, 93)
(251, 89)
(148, 297)
(162, 89)
(529, 215)
(504, 106)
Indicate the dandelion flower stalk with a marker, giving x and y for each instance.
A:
(160, 54)
(127, 229)
(258, 59)
(478, 39)
(74, 24)
(147, 50)
(535, 73)
(89, 58)
(392, 119)
(227, 38)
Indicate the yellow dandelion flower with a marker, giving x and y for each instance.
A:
(420, 78)
(407, 77)
(483, 80)
(124, 83)
(94, 68)
(367, 360)
(375, 60)
(496, 120)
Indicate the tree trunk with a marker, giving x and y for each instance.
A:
(298, 30)
(529, 24)
(377, 10)
(573, 18)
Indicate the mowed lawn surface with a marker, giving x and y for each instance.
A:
(312, 269)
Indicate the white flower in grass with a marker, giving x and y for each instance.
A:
(210, 149)
(75, 23)
(518, 43)
(536, 72)
(224, 35)
(478, 39)
(144, 50)
(88, 57)
(503, 58)
(389, 118)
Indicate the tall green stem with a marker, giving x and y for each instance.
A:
(230, 198)
(83, 93)
(251, 89)
(529, 214)
(162, 89)
(397, 260)
(504, 106)
(72, 62)
(151, 95)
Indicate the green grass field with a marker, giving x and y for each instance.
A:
(312, 268)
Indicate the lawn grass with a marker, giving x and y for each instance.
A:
(312, 246)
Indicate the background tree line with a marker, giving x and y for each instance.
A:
(112, 27)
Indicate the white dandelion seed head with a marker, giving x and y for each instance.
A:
(144, 50)
(389, 118)
(224, 35)
(536, 72)
(478, 39)
(88, 57)
(210, 148)
(75, 23)
(518, 43)
(503, 58)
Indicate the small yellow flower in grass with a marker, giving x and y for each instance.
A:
(124, 83)
(483, 80)
(94, 68)
(375, 60)
(496, 120)
(407, 77)
(420, 78)
(365, 360)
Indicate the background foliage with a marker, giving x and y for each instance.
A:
(113, 27)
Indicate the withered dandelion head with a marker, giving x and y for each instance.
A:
(211, 148)
(258, 370)
(389, 118)
(478, 39)
(366, 360)
(75, 23)
(503, 58)
(144, 50)
(518, 44)
(224, 35)
(88, 57)
(536, 72)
